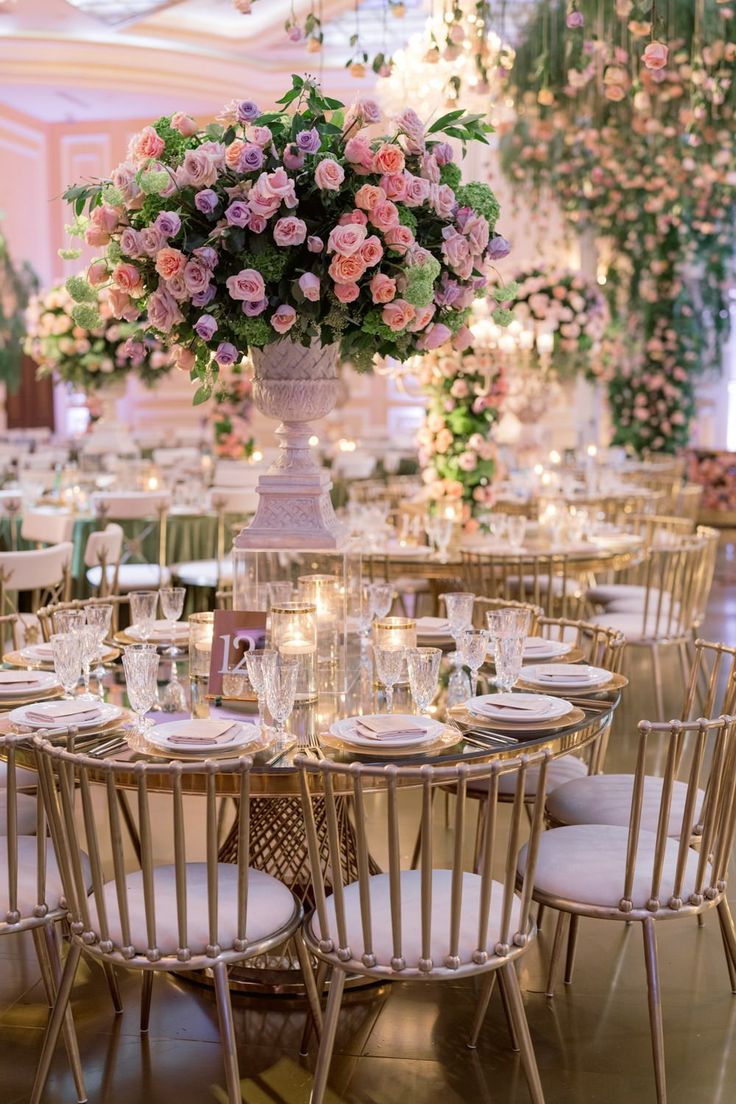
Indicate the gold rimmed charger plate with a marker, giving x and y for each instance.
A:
(82, 733)
(575, 655)
(616, 682)
(122, 637)
(6, 704)
(522, 728)
(15, 659)
(261, 743)
(448, 738)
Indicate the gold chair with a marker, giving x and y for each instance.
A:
(102, 554)
(657, 849)
(430, 924)
(42, 573)
(192, 914)
(689, 500)
(482, 606)
(146, 513)
(549, 581)
(47, 613)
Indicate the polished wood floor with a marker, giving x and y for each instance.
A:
(592, 1040)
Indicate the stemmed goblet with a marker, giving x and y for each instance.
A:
(507, 631)
(99, 619)
(140, 663)
(67, 651)
(173, 699)
(143, 605)
(472, 650)
(389, 663)
(258, 664)
(423, 665)
(281, 678)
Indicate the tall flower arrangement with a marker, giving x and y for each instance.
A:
(634, 132)
(465, 393)
(232, 412)
(293, 223)
(90, 357)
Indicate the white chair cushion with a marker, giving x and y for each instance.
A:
(606, 799)
(633, 595)
(132, 576)
(636, 605)
(560, 770)
(25, 817)
(570, 587)
(270, 907)
(27, 874)
(634, 628)
(203, 573)
(23, 776)
(586, 863)
(411, 911)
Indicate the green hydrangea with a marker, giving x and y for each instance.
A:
(86, 316)
(407, 217)
(271, 263)
(175, 143)
(80, 290)
(501, 316)
(153, 183)
(112, 195)
(451, 174)
(114, 252)
(453, 319)
(374, 324)
(419, 290)
(506, 292)
(480, 197)
(151, 207)
(69, 254)
(253, 331)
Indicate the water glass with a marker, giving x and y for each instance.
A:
(69, 621)
(67, 650)
(516, 530)
(99, 618)
(140, 664)
(389, 664)
(443, 530)
(381, 599)
(172, 607)
(281, 678)
(472, 650)
(258, 664)
(459, 609)
(143, 605)
(423, 665)
(498, 525)
(89, 647)
(507, 631)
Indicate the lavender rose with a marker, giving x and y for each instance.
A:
(309, 141)
(238, 213)
(247, 111)
(251, 157)
(206, 201)
(205, 327)
(168, 223)
(226, 354)
(498, 247)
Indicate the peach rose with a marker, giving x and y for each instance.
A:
(283, 318)
(400, 238)
(398, 314)
(128, 278)
(346, 270)
(145, 144)
(233, 152)
(371, 251)
(394, 186)
(170, 262)
(121, 305)
(328, 175)
(383, 288)
(346, 293)
(423, 318)
(389, 159)
(384, 216)
(97, 273)
(346, 239)
(655, 55)
(358, 153)
(356, 216)
(247, 286)
(185, 124)
(368, 196)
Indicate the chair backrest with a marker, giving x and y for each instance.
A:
(329, 783)
(705, 812)
(549, 581)
(44, 571)
(44, 458)
(23, 834)
(84, 814)
(47, 526)
(230, 503)
(689, 500)
(711, 539)
(354, 465)
(660, 529)
(149, 508)
(711, 688)
(673, 588)
(482, 606)
(601, 646)
(104, 549)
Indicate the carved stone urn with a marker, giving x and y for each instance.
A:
(295, 384)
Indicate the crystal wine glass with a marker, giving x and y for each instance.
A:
(472, 650)
(423, 665)
(389, 663)
(99, 618)
(516, 530)
(68, 621)
(459, 609)
(507, 631)
(381, 599)
(281, 678)
(67, 652)
(443, 531)
(258, 664)
(89, 645)
(140, 663)
(173, 699)
(143, 605)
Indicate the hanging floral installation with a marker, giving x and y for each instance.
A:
(627, 116)
(89, 357)
(232, 403)
(15, 288)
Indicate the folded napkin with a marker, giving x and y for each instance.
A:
(161, 631)
(191, 731)
(66, 710)
(18, 678)
(40, 650)
(433, 625)
(492, 710)
(388, 728)
(536, 644)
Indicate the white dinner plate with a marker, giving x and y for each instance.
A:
(236, 734)
(565, 676)
(37, 653)
(37, 682)
(536, 647)
(160, 632)
(433, 628)
(346, 730)
(518, 708)
(616, 540)
(106, 712)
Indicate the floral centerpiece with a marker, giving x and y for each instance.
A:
(294, 235)
(232, 412)
(465, 392)
(90, 357)
(574, 311)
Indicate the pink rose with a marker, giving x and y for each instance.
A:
(102, 222)
(145, 144)
(359, 217)
(346, 293)
(128, 279)
(289, 231)
(476, 231)
(371, 251)
(97, 273)
(121, 305)
(176, 287)
(163, 310)
(412, 126)
(346, 240)
(400, 238)
(283, 318)
(151, 239)
(368, 195)
(398, 314)
(257, 224)
(346, 270)
(442, 200)
(394, 186)
(384, 215)
(279, 185)
(456, 253)
(130, 242)
(184, 359)
(310, 286)
(123, 178)
(389, 159)
(358, 152)
(170, 262)
(260, 135)
(430, 169)
(185, 124)
(247, 286)
(328, 175)
(436, 335)
(197, 276)
(423, 318)
(655, 55)
(197, 169)
(314, 244)
(383, 288)
(463, 339)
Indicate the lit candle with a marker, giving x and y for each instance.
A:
(554, 457)
(545, 343)
(293, 633)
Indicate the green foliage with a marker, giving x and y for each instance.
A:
(16, 286)
(482, 200)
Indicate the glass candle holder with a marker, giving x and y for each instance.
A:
(323, 592)
(293, 634)
(201, 628)
(395, 632)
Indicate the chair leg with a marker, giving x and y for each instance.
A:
(480, 1012)
(509, 984)
(112, 984)
(146, 999)
(655, 1007)
(562, 923)
(314, 1012)
(309, 1022)
(729, 939)
(332, 1014)
(572, 940)
(50, 943)
(56, 1023)
(227, 1034)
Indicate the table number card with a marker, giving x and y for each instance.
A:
(234, 633)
